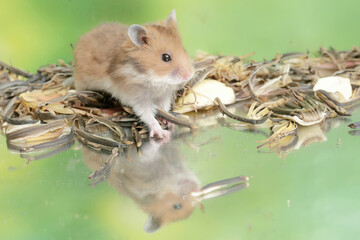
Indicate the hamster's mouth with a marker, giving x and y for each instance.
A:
(169, 79)
(176, 81)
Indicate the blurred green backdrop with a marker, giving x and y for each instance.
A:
(38, 32)
(51, 199)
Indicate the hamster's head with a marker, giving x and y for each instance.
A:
(172, 205)
(157, 51)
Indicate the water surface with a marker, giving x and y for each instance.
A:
(308, 193)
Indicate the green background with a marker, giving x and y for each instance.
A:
(38, 32)
(51, 199)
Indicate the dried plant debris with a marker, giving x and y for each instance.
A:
(292, 89)
(103, 173)
(42, 112)
(356, 127)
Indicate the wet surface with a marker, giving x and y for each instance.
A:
(306, 190)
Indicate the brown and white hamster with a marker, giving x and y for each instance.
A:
(142, 66)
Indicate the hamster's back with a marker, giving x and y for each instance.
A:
(93, 53)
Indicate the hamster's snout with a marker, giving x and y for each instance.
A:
(181, 75)
(188, 74)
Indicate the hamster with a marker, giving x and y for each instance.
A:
(142, 66)
(159, 181)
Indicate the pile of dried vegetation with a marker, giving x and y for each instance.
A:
(43, 113)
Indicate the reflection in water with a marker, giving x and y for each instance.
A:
(158, 180)
(287, 141)
(354, 125)
(303, 137)
(354, 132)
(307, 135)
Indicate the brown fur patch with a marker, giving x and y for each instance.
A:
(161, 40)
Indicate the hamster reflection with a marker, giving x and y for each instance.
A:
(158, 180)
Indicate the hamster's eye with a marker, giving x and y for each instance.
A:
(166, 57)
(177, 206)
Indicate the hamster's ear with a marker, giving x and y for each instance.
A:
(171, 20)
(138, 35)
(152, 224)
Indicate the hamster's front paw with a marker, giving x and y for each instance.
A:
(168, 124)
(171, 126)
(160, 133)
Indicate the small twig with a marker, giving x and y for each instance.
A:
(171, 118)
(225, 111)
(104, 170)
(15, 70)
(325, 97)
(201, 75)
(204, 64)
(332, 57)
(253, 75)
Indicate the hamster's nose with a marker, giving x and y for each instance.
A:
(188, 75)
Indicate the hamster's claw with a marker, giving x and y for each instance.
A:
(171, 126)
(168, 124)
